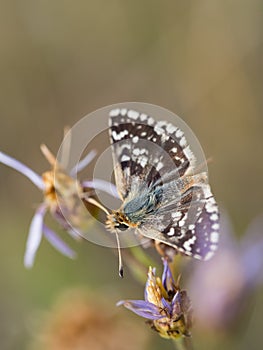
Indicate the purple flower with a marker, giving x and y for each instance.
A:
(167, 308)
(221, 288)
(62, 192)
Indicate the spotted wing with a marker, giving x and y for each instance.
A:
(146, 152)
(191, 225)
(153, 157)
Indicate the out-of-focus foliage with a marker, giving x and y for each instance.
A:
(60, 60)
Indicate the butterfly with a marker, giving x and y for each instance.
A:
(163, 199)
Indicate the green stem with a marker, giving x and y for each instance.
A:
(140, 255)
(138, 263)
(183, 344)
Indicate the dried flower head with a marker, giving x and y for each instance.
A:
(166, 306)
(63, 195)
(82, 321)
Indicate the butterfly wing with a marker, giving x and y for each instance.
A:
(145, 151)
(190, 226)
(154, 158)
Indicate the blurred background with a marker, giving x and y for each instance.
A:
(60, 60)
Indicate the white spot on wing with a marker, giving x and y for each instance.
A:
(158, 129)
(214, 237)
(114, 112)
(171, 232)
(136, 151)
(119, 136)
(150, 121)
(143, 116)
(125, 158)
(179, 133)
(171, 128)
(189, 154)
(187, 245)
(143, 160)
(211, 206)
(182, 142)
(123, 111)
(215, 226)
(214, 217)
(213, 247)
(209, 255)
(181, 223)
(176, 215)
(208, 193)
(133, 114)
(159, 166)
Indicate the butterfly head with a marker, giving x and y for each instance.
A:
(117, 220)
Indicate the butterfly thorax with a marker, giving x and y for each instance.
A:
(134, 210)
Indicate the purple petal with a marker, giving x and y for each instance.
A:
(34, 236)
(103, 186)
(83, 163)
(180, 303)
(74, 233)
(57, 243)
(167, 306)
(142, 308)
(227, 235)
(216, 287)
(176, 298)
(251, 252)
(167, 277)
(23, 169)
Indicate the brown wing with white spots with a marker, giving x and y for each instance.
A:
(190, 226)
(153, 159)
(145, 150)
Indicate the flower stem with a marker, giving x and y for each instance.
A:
(183, 343)
(140, 255)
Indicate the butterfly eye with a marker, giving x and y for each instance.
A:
(123, 227)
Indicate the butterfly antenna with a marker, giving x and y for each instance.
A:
(119, 254)
(97, 204)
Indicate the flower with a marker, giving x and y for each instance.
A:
(221, 289)
(81, 320)
(167, 308)
(63, 196)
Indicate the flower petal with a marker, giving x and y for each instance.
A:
(153, 292)
(34, 236)
(57, 243)
(176, 303)
(23, 169)
(251, 253)
(102, 185)
(167, 306)
(142, 308)
(83, 163)
(167, 277)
